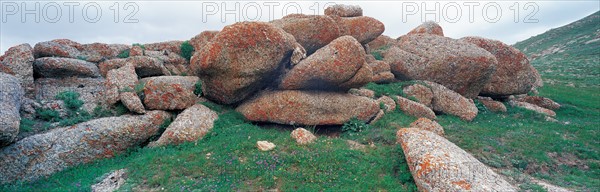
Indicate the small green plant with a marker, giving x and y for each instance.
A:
(124, 54)
(186, 50)
(71, 99)
(377, 55)
(198, 87)
(48, 114)
(84, 58)
(125, 90)
(26, 125)
(355, 125)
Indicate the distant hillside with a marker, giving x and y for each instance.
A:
(569, 54)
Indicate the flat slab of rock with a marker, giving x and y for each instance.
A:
(111, 181)
(18, 61)
(540, 101)
(533, 107)
(338, 66)
(44, 154)
(91, 90)
(145, 66)
(242, 59)
(414, 108)
(450, 102)
(190, 125)
(10, 103)
(170, 92)
(56, 67)
(308, 108)
(491, 105)
(437, 164)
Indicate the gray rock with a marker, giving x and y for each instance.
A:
(91, 90)
(44, 154)
(344, 10)
(18, 61)
(10, 103)
(111, 181)
(437, 164)
(55, 67)
(450, 102)
(192, 124)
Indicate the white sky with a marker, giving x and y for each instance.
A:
(155, 21)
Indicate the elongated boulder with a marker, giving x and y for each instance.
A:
(311, 31)
(364, 29)
(192, 124)
(242, 59)
(540, 101)
(458, 65)
(308, 108)
(381, 42)
(449, 102)
(44, 154)
(19, 62)
(170, 92)
(10, 103)
(145, 66)
(533, 107)
(55, 67)
(429, 125)
(414, 109)
(429, 27)
(58, 48)
(437, 164)
(169, 46)
(337, 66)
(420, 92)
(491, 105)
(344, 10)
(514, 75)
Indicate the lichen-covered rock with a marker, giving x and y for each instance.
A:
(265, 145)
(170, 92)
(437, 164)
(146, 66)
(362, 92)
(91, 90)
(420, 92)
(62, 48)
(384, 77)
(491, 105)
(200, 40)
(170, 46)
(379, 66)
(311, 31)
(111, 181)
(344, 10)
(414, 109)
(513, 74)
(19, 61)
(96, 52)
(302, 136)
(540, 101)
(429, 125)
(123, 78)
(364, 29)
(132, 101)
(10, 103)
(56, 67)
(428, 27)
(381, 42)
(458, 65)
(308, 108)
(192, 124)
(452, 103)
(242, 59)
(533, 107)
(136, 51)
(110, 64)
(388, 103)
(337, 66)
(41, 155)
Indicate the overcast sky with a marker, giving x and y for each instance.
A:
(130, 22)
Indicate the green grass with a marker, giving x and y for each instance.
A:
(124, 54)
(198, 88)
(26, 125)
(187, 50)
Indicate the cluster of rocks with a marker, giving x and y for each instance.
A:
(297, 70)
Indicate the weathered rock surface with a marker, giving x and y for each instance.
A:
(170, 46)
(420, 92)
(170, 92)
(241, 59)
(388, 103)
(414, 109)
(362, 92)
(132, 102)
(458, 65)
(111, 181)
(344, 10)
(491, 105)
(337, 66)
(41, 155)
(364, 29)
(91, 90)
(123, 78)
(265, 145)
(18, 61)
(58, 48)
(513, 74)
(96, 52)
(428, 27)
(381, 42)
(381, 72)
(302, 136)
(200, 40)
(308, 108)
(10, 103)
(437, 164)
(540, 101)
(56, 67)
(429, 125)
(111, 64)
(192, 124)
(452, 103)
(145, 66)
(310, 31)
(533, 107)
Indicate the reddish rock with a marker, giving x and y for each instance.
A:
(136, 51)
(242, 59)
(429, 125)
(533, 107)
(308, 108)
(491, 105)
(538, 78)
(378, 116)
(381, 42)
(96, 52)
(437, 164)
(148, 66)
(303, 136)
(384, 77)
(381, 72)
(388, 103)
(200, 40)
(70, 43)
(364, 29)
(344, 10)
(169, 46)
(55, 67)
(428, 27)
(513, 74)
(337, 66)
(189, 126)
(449, 102)
(110, 64)
(132, 102)
(458, 65)
(540, 101)
(311, 31)
(55, 49)
(362, 92)
(379, 66)
(170, 92)
(122, 79)
(414, 109)
(18, 61)
(420, 92)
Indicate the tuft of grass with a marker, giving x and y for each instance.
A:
(26, 125)
(187, 50)
(71, 99)
(355, 125)
(392, 89)
(48, 115)
(198, 88)
(124, 54)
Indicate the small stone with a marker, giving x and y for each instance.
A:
(265, 145)
(303, 136)
(111, 182)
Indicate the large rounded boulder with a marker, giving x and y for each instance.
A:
(241, 59)
(311, 31)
